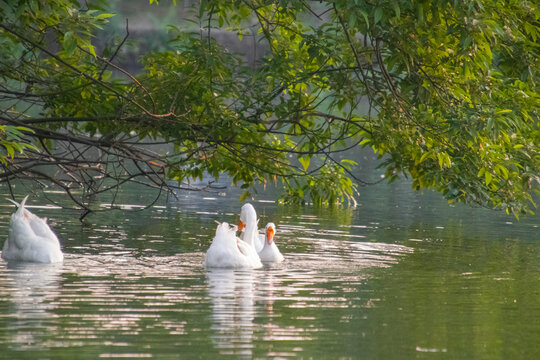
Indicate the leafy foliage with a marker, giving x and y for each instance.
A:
(12, 141)
(445, 92)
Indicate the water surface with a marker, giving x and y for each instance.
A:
(403, 275)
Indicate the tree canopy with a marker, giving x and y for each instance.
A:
(445, 92)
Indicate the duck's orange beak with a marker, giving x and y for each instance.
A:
(241, 225)
(270, 235)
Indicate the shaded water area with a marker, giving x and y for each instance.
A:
(402, 276)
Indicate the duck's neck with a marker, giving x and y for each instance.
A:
(265, 245)
(251, 231)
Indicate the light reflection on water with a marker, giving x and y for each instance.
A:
(354, 283)
(107, 289)
(29, 288)
(232, 297)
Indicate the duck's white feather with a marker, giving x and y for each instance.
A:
(30, 239)
(227, 251)
(248, 216)
(259, 242)
(271, 254)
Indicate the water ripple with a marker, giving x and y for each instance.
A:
(122, 283)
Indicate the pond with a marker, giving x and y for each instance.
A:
(403, 275)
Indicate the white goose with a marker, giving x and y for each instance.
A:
(263, 244)
(30, 238)
(228, 251)
(270, 251)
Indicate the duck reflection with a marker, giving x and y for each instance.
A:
(33, 290)
(233, 310)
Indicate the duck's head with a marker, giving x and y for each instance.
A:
(247, 214)
(270, 231)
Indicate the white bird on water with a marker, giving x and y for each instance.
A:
(30, 238)
(228, 251)
(264, 244)
(270, 252)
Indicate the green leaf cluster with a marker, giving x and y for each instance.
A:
(445, 92)
(12, 141)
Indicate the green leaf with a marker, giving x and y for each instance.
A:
(440, 156)
(9, 149)
(244, 195)
(424, 156)
(502, 170)
(70, 43)
(364, 141)
(92, 50)
(366, 17)
(305, 162)
(481, 172)
(378, 15)
(488, 177)
(104, 16)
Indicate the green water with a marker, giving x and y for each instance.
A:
(402, 276)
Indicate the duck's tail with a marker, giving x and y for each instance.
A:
(21, 205)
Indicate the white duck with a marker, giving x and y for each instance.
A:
(270, 251)
(228, 251)
(30, 238)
